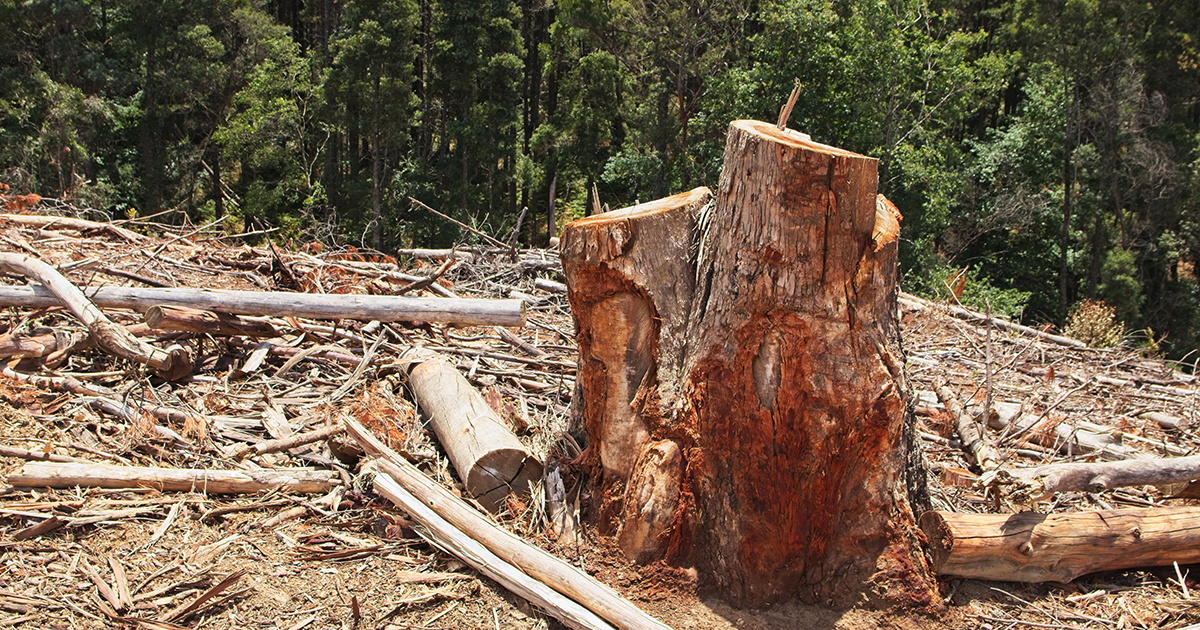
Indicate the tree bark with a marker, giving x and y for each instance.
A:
(1033, 547)
(177, 318)
(758, 336)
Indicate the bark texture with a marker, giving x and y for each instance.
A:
(1033, 547)
(759, 337)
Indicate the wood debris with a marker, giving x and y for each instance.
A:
(268, 393)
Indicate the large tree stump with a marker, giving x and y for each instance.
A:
(742, 383)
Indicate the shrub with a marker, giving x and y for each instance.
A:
(1095, 323)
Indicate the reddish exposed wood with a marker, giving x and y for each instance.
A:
(1033, 547)
(769, 352)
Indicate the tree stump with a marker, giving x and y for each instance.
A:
(742, 381)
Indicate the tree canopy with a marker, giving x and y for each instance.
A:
(1044, 150)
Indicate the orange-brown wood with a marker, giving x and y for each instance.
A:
(758, 339)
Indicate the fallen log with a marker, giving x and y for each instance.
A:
(980, 319)
(384, 308)
(78, 225)
(534, 561)
(173, 363)
(1043, 481)
(178, 318)
(454, 541)
(490, 460)
(1033, 547)
(70, 475)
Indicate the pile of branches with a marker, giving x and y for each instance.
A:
(152, 358)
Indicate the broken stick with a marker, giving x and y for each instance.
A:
(70, 475)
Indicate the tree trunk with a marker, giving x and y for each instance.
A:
(740, 363)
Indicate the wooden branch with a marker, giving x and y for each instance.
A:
(288, 443)
(442, 254)
(981, 320)
(384, 308)
(490, 460)
(121, 273)
(450, 538)
(1033, 547)
(534, 561)
(172, 364)
(178, 318)
(37, 456)
(970, 431)
(1097, 477)
(428, 281)
(69, 475)
(466, 227)
(524, 346)
(79, 225)
(99, 397)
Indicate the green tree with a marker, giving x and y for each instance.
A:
(371, 77)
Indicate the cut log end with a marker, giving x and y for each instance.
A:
(500, 473)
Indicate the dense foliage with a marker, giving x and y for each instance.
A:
(1047, 147)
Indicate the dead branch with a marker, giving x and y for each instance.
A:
(72, 474)
(172, 364)
(384, 308)
(534, 561)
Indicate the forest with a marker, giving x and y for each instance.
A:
(1043, 152)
